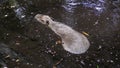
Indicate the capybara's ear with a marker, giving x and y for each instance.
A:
(52, 18)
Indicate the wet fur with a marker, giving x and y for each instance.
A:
(73, 41)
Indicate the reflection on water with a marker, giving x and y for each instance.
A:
(98, 6)
(70, 5)
(20, 12)
(97, 19)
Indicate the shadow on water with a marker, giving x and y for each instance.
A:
(33, 45)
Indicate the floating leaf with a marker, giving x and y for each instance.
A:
(85, 33)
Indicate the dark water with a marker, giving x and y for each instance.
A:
(25, 43)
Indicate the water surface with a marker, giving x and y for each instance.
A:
(33, 45)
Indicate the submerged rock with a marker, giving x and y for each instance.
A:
(73, 41)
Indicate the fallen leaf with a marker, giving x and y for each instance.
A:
(85, 33)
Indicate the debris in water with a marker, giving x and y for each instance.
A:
(17, 43)
(96, 23)
(12, 6)
(99, 47)
(17, 60)
(97, 66)
(58, 42)
(6, 15)
(54, 66)
(22, 16)
(5, 67)
(82, 62)
(85, 33)
(8, 56)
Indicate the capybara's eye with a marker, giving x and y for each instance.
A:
(47, 22)
(42, 20)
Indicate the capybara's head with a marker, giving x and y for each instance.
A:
(44, 19)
